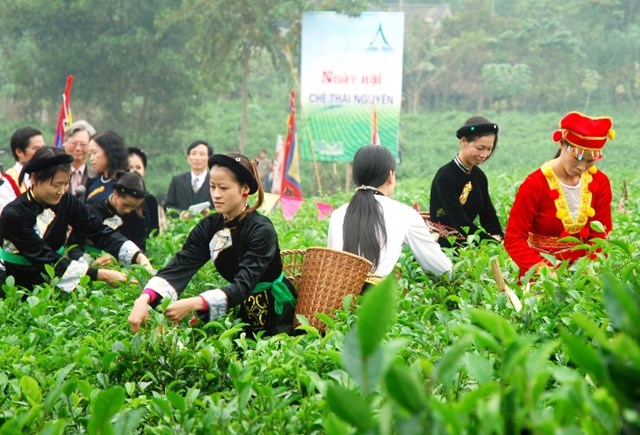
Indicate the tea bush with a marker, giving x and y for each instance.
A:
(416, 355)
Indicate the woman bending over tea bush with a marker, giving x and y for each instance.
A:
(34, 228)
(243, 247)
(375, 226)
(460, 189)
(563, 197)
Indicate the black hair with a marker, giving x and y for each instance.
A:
(115, 150)
(481, 121)
(195, 143)
(563, 143)
(140, 153)
(364, 231)
(49, 171)
(130, 183)
(20, 139)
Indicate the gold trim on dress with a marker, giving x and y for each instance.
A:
(257, 307)
(571, 225)
(465, 192)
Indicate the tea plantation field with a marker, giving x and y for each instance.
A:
(415, 355)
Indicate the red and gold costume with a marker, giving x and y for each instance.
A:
(541, 216)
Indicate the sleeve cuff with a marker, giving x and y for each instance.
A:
(152, 295)
(216, 301)
(162, 287)
(134, 259)
(72, 275)
(93, 273)
(128, 251)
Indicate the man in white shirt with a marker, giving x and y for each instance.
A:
(25, 141)
(76, 143)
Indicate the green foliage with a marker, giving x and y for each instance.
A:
(129, 72)
(165, 72)
(416, 355)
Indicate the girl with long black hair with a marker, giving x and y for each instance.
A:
(375, 226)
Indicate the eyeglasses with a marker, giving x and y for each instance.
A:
(79, 144)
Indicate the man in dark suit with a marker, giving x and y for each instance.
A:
(76, 143)
(191, 187)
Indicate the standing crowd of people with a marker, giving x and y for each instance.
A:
(58, 205)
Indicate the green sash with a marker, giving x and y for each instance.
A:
(279, 290)
(20, 259)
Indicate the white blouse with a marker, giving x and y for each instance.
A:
(404, 226)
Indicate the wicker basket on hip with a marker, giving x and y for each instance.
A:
(292, 265)
(323, 278)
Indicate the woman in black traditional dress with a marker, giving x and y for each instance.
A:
(122, 211)
(243, 246)
(460, 190)
(34, 227)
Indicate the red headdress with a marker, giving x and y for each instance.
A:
(582, 131)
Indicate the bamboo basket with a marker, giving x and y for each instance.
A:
(292, 265)
(326, 277)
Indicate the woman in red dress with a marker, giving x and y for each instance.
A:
(563, 197)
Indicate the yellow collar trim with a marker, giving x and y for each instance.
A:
(585, 211)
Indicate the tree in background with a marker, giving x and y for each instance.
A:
(422, 52)
(228, 34)
(131, 74)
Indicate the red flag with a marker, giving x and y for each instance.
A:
(64, 118)
(291, 169)
(375, 136)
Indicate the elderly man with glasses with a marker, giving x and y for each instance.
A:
(76, 143)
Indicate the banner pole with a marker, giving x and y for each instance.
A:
(347, 177)
(287, 53)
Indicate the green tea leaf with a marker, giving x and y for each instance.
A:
(56, 392)
(231, 332)
(375, 315)
(129, 421)
(583, 355)
(334, 426)
(516, 354)
(598, 227)
(31, 390)
(479, 367)
(623, 305)
(327, 320)
(105, 405)
(54, 428)
(497, 325)
(368, 372)
(349, 406)
(447, 367)
(405, 387)
(176, 400)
